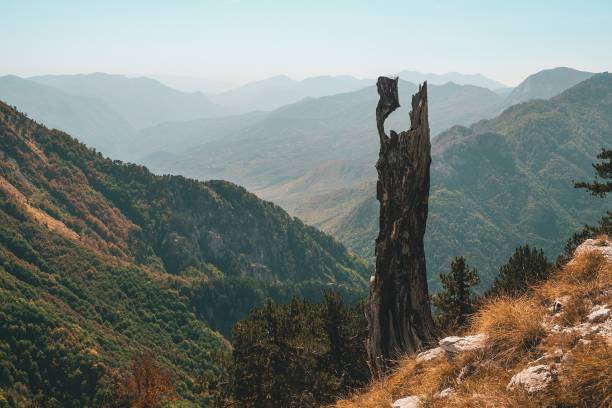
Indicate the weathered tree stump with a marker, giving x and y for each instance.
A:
(398, 311)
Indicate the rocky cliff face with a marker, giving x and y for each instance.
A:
(398, 312)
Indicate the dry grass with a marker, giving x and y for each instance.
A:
(587, 381)
(408, 379)
(586, 276)
(514, 327)
(517, 334)
(574, 311)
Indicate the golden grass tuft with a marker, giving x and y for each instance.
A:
(587, 382)
(585, 280)
(408, 379)
(513, 325)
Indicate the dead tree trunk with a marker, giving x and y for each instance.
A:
(398, 312)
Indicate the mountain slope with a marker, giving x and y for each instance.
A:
(546, 84)
(90, 120)
(142, 101)
(508, 180)
(101, 260)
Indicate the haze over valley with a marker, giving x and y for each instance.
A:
(314, 156)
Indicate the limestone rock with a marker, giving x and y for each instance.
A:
(430, 354)
(447, 392)
(533, 379)
(456, 344)
(407, 402)
(602, 246)
(599, 313)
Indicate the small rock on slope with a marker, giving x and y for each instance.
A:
(407, 402)
(533, 379)
(455, 344)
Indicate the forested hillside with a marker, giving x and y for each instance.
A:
(101, 261)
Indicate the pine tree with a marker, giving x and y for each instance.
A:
(526, 267)
(600, 187)
(300, 354)
(346, 329)
(456, 301)
(604, 171)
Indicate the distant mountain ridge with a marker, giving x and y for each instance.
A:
(546, 84)
(142, 101)
(92, 120)
(272, 93)
(286, 143)
(191, 84)
(456, 77)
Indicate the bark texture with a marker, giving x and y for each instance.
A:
(398, 311)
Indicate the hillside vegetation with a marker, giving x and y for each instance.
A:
(101, 261)
(551, 347)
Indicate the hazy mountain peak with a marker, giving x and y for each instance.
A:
(546, 84)
(142, 101)
(91, 120)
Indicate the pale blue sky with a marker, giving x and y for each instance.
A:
(247, 40)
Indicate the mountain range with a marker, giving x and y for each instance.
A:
(142, 101)
(456, 77)
(313, 157)
(503, 182)
(274, 92)
(286, 143)
(95, 122)
(106, 111)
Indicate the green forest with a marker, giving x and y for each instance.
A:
(101, 261)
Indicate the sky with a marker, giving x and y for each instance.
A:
(239, 41)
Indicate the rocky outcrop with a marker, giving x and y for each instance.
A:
(604, 247)
(398, 312)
